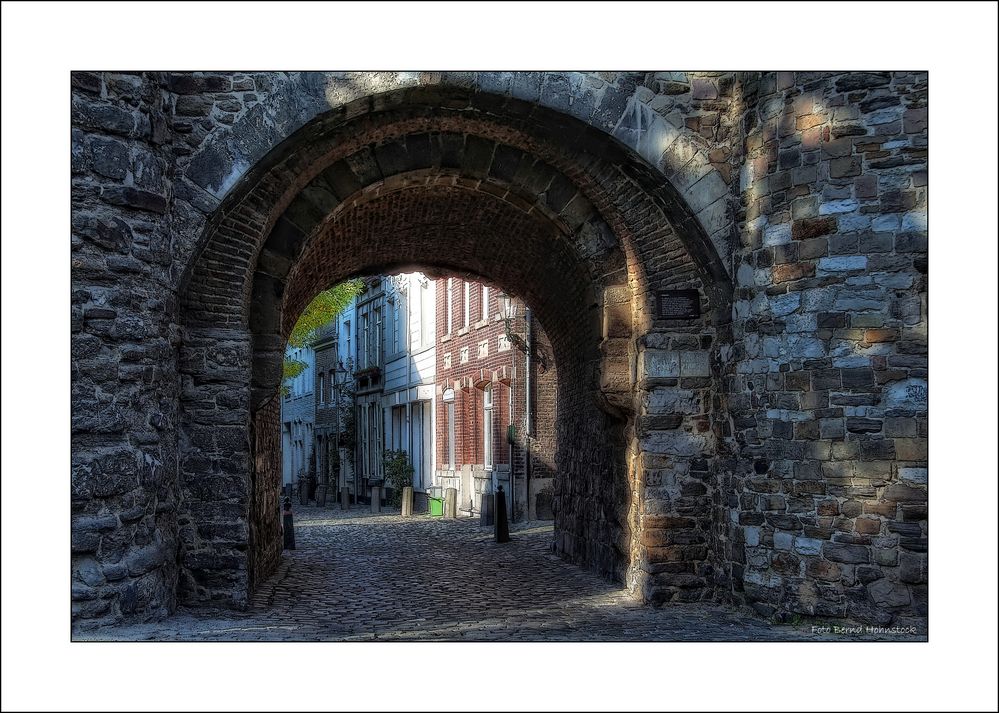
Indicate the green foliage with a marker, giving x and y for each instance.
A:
(290, 369)
(323, 310)
(319, 313)
(398, 472)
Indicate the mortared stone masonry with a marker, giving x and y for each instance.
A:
(771, 451)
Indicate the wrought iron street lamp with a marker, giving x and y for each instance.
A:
(510, 311)
(529, 346)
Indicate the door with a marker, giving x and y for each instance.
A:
(428, 444)
(421, 444)
(416, 444)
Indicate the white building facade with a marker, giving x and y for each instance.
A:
(395, 360)
(410, 372)
(298, 419)
(384, 346)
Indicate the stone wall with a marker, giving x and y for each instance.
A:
(124, 490)
(826, 379)
(772, 451)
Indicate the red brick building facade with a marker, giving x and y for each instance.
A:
(481, 398)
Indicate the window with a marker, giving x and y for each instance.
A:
(419, 319)
(346, 329)
(426, 314)
(487, 426)
(398, 426)
(364, 341)
(468, 304)
(396, 343)
(449, 302)
(376, 347)
(449, 404)
(485, 303)
(379, 418)
(322, 388)
(332, 382)
(361, 434)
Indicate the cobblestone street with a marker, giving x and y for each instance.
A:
(360, 577)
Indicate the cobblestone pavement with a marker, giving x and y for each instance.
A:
(360, 577)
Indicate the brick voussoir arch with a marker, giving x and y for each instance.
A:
(615, 105)
(397, 251)
(603, 170)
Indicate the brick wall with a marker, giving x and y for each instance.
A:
(505, 368)
(468, 379)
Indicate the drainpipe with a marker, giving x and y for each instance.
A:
(527, 411)
(510, 422)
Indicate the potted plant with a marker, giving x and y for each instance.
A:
(398, 474)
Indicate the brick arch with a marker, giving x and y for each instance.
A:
(586, 213)
(616, 104)
(453, 225)
(378, 136)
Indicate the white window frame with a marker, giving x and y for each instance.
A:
(487, 426)
(365, 339)
(468, 304)
(346, 325)
(427, 310)
(396, 331)
(449, 303)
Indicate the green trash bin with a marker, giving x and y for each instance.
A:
(435, 499)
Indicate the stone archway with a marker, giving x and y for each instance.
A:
(536, 201)
(774, 449)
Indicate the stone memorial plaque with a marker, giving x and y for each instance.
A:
(678, 304)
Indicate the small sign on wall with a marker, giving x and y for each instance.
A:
(678, 304)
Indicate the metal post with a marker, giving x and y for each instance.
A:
(288, 526)
(501, 528)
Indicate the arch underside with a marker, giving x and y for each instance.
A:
(534, 202)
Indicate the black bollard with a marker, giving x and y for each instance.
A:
(502, 529)
(289, 527)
